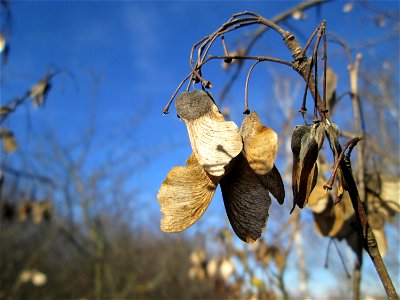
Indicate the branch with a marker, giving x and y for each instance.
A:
(261, 30)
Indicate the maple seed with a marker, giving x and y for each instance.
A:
(260, 144)
(215, 142)
(185, 195)
(246, 200)
(306, 143)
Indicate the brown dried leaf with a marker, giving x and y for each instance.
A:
(10, 144)
(185, 195)
(215, 142)
(246, 200)
(306, 143)
(260, 144)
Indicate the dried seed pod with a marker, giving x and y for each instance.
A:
(260, 144)
(306, 143)
(330, 221)
(185, 195)
(215, 142)
(335, 221)
(273, 182)
(246, 200)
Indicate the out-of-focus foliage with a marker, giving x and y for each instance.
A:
(69, 224)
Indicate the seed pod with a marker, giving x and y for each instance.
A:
(215, 142)
(273, 182)
(306, 143)
(246, 200)
(260, 144)
(185, 195)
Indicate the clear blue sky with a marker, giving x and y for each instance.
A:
(138, 52)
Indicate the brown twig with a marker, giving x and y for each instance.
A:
(351, 143)
(368, 238)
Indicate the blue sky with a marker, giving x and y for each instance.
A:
(127, 57)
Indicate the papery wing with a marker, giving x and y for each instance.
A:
(185, 195)
(215, 142)
(246, 201)
(260, 144)
(273, 182)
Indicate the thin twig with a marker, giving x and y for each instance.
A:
(351, 143)
(246, 90)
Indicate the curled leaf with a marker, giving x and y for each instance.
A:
(246, 200)
(185, 195)
(10, 144)
(215, 142)
(260, 144)
(306, 143)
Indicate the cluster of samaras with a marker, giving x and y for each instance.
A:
(240, 160)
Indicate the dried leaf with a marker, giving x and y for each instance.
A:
(215, 142)
(39, 92)
(10, 144)
(298, 134)
(185, 195)
(306, 143)
(246, 200)
(260, 144)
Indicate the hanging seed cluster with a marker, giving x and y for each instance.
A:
(306, 143)
(241, 161)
